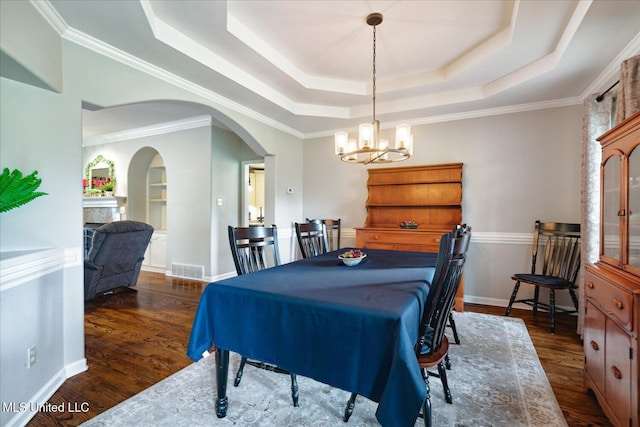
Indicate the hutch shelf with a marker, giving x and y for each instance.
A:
(428, 195)
(612, 285)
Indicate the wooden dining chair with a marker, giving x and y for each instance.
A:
(560, 267)
(254, 249)
(333, 231)
(312, 238)
(457, 230)
(432, 346)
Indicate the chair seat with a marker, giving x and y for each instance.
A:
(542, 280)
(426, 360)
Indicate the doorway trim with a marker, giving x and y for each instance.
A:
(244, 192)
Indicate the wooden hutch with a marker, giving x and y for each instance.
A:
(612, 285)
(428, 195)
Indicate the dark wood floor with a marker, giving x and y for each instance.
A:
(135, 339)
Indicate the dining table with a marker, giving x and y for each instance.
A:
(351, 327)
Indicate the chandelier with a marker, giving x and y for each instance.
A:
(370, 148)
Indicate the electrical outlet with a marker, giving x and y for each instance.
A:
(31, 356)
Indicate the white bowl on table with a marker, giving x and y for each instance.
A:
(352, 260)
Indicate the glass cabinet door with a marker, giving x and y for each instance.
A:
(633, 217)
(611, 206)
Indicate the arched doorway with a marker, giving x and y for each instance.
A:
(147, 202)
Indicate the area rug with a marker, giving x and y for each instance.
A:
(496, 380)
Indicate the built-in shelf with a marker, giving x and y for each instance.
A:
(157, 194)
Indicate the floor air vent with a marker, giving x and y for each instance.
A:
(187, 271)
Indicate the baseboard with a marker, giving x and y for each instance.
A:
(498, 302)
(76, 368)
(155, 269)
(222, 276)
(31, 408)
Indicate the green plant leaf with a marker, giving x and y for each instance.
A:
(16, 190)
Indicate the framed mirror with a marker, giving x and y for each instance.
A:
(98, 173)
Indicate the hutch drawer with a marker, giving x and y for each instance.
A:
(614, 301)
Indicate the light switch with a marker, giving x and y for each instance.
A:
(219, 201)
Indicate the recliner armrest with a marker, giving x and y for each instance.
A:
(90, 265)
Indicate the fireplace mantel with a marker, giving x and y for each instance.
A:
(99, 202)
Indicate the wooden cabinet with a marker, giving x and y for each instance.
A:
(155, 257)
(612, 285)
(428, 195)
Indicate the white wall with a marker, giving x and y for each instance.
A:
(43, 130)
(187, 157)
(32, 279)
(517, 168)
(34, 60)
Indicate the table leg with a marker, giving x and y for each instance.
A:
(222, 371)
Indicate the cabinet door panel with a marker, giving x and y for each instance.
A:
(618, 372)
(594, 345)
(610, 208)
(634, 209)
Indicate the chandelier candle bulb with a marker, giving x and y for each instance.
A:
(403, 133)
(341, 142)
(366, 131)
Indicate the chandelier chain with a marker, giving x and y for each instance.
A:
(374, 73)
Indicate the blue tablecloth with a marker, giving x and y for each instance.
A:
(350, 327)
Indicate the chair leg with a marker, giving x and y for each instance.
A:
(294, 380)
(348, 410)
(552, 309)
(452, 323)
(236, 381)
(513, 298)
(294, 389)
(574, 298)
(426, 405)
(536, 295)
(447, 362)
(445, 384)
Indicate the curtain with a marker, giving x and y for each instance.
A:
(596, 121)
(628, 101)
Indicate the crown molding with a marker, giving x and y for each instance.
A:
(50, 15)
(612, 73)
(146, 131)
(101, 48)
(499, 111)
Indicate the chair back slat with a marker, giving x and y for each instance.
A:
(452, 255)
(562, 249)
(254, 248)
(333, 231)
(312, 238)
